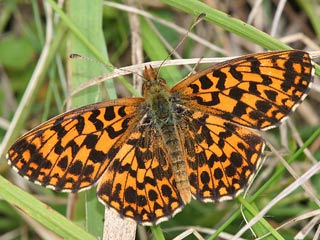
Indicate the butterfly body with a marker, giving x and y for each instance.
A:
(163, 112)
(150, 155)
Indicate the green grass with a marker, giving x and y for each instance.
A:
(80, 30)
(87, 19)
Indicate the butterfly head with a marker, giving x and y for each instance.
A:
(153, 84)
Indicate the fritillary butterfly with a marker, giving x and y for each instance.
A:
(150, 155)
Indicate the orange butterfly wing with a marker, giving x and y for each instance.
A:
(115, 141)
(221, 157)
(139, 182)
(71, 151)
(256, 91)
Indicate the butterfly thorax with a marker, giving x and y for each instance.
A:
(158, 100)
(162, 106)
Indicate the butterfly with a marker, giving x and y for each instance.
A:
(151, 155)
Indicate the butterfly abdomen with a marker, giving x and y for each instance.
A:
(160, 104)
(176, 160)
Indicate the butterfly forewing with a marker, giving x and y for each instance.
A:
(72, 150)
(256, 90)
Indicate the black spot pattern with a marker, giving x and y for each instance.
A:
(205, 82)
(156, 191)
(208, 178)
(109, 114)
(63, 163)
(122, 143)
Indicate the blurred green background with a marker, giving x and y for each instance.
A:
(37, 78)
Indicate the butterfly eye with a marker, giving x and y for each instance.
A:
(145, 86)
(162, 81)
(179, 110)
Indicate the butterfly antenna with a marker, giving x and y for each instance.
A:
(109, 66)
(200, 17)
(81, 57)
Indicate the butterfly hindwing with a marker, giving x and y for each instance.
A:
(139, 182)
(221, 156)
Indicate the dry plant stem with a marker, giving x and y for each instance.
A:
(42, 231)
(284, 135)
(155, 64)
(305, 185)
(4, 123)
(311, 172)
(254, 11)
(269, 168)
(246, 192)
(208, 231)
(136, 68)
(136, 44)
(14, 234)
(300, 37)
(317, 234)
(118, 230)
(314, 214)
(165, 42)
(277, 16)
(308, 228)
(173, 51)
(166, 23)
(142, 232)
(72, 197)
(10, 100)
(114, 226)
(309, 115)
(189, 232)
(316, 86)
(253, 181)
(298, 139)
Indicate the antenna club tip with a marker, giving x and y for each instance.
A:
(201, 16)
(74, 55)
